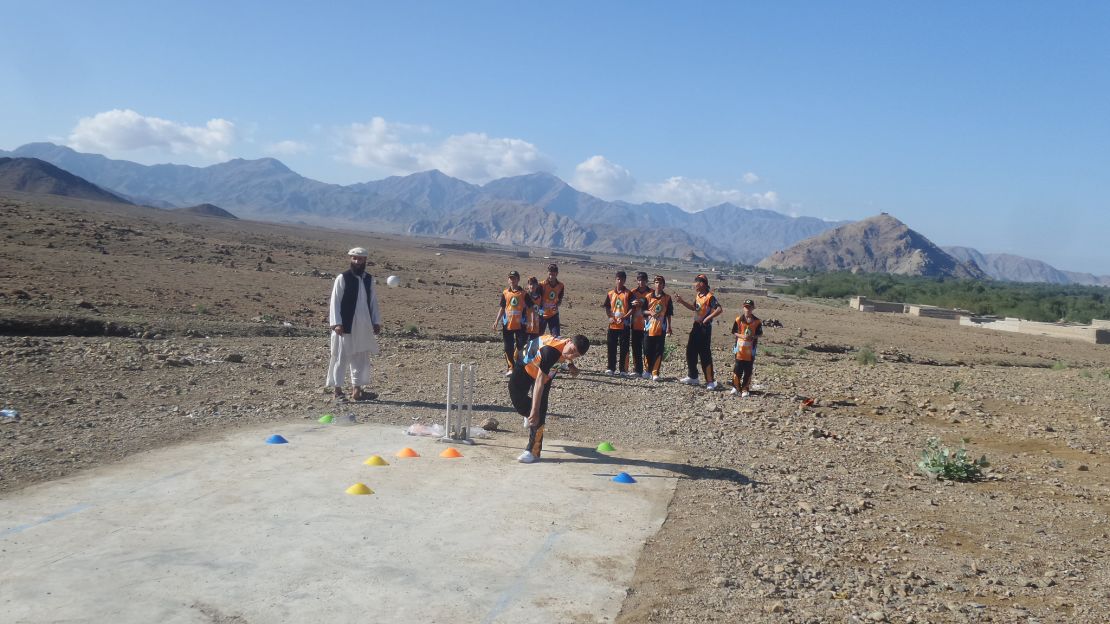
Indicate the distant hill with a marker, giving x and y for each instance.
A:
(31, 175)
(431, 201)
(207, 210)
(1011, 268)
(880, 244)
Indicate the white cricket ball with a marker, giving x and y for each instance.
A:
(393, 281)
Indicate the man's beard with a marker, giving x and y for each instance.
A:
(358, 269)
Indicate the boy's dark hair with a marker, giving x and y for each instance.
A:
(622, 275)
(553, 267)
(641, 276)
(581, 343)
(533, 280)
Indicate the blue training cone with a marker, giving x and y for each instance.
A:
(624, 477)
(276, 439)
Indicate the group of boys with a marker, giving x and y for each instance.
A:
(639, 320)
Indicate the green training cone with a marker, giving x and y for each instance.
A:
(605, 447)
(326, 418)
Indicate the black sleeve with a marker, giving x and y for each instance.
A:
(713, 303)
(759, 330)
(605, 304)
(527, 300)
(548, 357)
(735, 327)
(670, 307)
(502, 304)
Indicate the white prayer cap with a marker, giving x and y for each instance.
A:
(358, 251)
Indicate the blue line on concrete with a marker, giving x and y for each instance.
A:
(513, 591)
(82, 507)
(52, 517)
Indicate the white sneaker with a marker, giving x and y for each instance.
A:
(711, 385)
(689, 381)
(509, 373)
(608, 371)
(526, 457)
(628, 375)
(744, 393)
(734, 391)
(646, 375)
(655, 377)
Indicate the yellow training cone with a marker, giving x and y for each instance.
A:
(359, 489)
(407, 452)
(375, 460)
(450, 452)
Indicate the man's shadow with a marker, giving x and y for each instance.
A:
(583, 455)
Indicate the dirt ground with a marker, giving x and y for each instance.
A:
(126, 329)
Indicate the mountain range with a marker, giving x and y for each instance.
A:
(536, 210)
(1011, 268)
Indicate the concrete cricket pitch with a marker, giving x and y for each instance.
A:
(235, 530)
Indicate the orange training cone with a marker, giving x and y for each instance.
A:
(450, 452)
(407, 452)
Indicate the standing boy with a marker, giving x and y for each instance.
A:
(747, 329)
(533, 313)
(510, 318)
(534, 372)
(618, 309)
(552, 297)
(639, 320)
(659, 311)
(706, 308)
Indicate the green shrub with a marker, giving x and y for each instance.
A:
(866, 356)
(942, 463)
(1059, 366)
(956, 386)
(1087, 374)
(410, 330)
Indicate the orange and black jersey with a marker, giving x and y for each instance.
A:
(552, 297)
(749, 332)
(617, 304)
(543, 353)
(532, 312)
(703, 305)
(639, 297)
(659, 309)
(514, 303)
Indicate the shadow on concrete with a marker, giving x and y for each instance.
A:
(584, 454)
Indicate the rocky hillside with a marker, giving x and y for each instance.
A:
(881, 244)
(31, 175)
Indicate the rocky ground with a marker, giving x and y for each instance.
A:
(188, 326)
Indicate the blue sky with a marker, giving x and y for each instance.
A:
(982, 124)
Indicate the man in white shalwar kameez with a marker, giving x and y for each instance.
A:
(355, 324)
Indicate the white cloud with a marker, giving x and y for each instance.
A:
(117, 131)
(749, 178)
(474, 156)
(286, 148)
(692, 194)
(599, 176)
